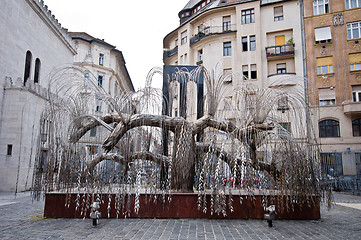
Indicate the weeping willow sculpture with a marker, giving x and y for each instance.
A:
(246, 147)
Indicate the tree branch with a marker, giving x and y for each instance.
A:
(156, 158)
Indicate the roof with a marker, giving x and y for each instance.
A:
(88, 38)
(191, 4)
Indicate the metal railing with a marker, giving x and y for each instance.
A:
(170, 53)
(280, 50)
(208, 31)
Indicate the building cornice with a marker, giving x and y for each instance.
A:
(45, 14)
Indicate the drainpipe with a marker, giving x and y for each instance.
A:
(305, 83)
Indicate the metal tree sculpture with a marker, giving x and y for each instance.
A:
(245, 148)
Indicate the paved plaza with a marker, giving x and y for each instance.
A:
(20, 218)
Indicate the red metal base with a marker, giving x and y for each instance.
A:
(181, 206)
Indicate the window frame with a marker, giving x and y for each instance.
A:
(348, 4)
(245, 72)
(356, 127)
(227, 49)
(350, 32)
(226, 25)
(276, 17)
(100, 80)
(244, 44)
(248, 16)
(101, 59)
(184, 37)
(280, 70)
(324, 6)
(329, 128)
(252, 42)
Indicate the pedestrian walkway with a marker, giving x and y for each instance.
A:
(22, 219)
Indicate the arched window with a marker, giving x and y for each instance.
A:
(329, 128)
(28, 59)
(356, 127)
(37, 70)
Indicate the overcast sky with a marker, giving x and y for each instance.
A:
(135, 27)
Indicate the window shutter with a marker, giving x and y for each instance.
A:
(278, 11)
(355, 58)
(326, 93)
(323, 33)
(324, 61)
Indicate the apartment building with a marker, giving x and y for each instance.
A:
(333, 35)
(258, 42)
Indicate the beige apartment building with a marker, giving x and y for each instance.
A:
(259, 42)
(333, 35)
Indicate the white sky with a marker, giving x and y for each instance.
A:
(135, 27)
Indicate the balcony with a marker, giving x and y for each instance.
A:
(282, 79)
(170, 53)
(350, 108)
(215, 30)
(280, 52)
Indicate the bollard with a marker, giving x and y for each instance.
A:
(270, 215)
(95, 214)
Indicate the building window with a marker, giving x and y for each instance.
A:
(356, 93)
(355, 61)
(101, 59)
(100, 81)
(253, 71)
(93, 149)
(278, 13)
(323, 35)
(354, 30)
(37, 70)
(93, 132)
(353, 4)
(9, 151)
(245, 72)
(200, 56)
(28, 59)
(252, 43)
(320, 7)
(226, 23)
(244, 44)
(329, 128)
(327, 102)
(324, 65)
(281, 68)
(283, 103)
(184, 37)
(42, 160)
(227, 75)
(248, 16)
(356, 127)
(227, 49)
(284, 128)
(326, 96)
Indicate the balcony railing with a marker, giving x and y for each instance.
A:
(280, 50)
(170, 53)
(208, 31)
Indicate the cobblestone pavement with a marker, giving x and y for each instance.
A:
(22, 219)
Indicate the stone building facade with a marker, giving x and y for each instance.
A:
(33, 47)
(32, 44)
